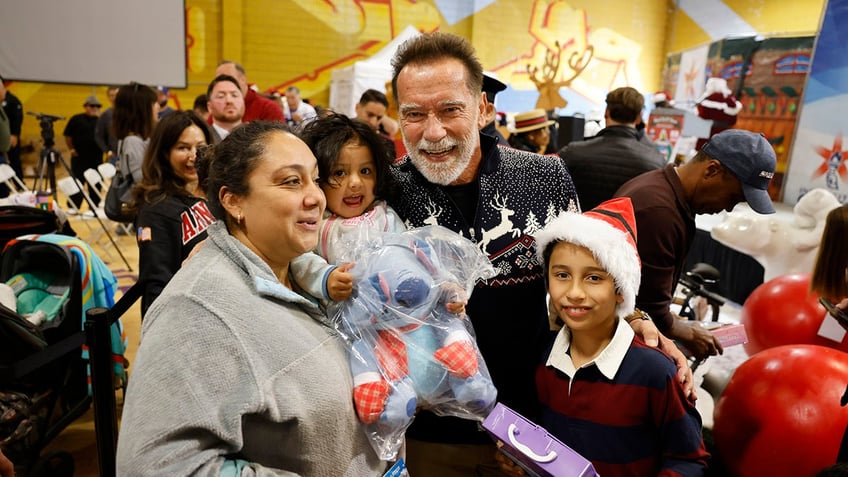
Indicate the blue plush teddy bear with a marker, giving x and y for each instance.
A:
(407, 349)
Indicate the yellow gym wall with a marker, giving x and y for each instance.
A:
(288, 42)
(764, 16)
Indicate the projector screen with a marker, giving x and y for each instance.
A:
(94, 42)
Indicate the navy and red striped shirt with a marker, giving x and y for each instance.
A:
(633, 421)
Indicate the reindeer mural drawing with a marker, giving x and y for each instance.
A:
(504, 227)
(549, 97)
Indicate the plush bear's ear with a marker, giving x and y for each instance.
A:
(423, 252)
(381, 286)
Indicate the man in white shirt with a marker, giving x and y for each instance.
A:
(297, 112)
(226, 106)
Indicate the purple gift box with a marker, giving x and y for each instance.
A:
(530, 445)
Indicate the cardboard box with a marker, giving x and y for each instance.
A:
(529, 445)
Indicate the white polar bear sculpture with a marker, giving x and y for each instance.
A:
(781, 246)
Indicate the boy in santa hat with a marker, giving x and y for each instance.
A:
(603, 391)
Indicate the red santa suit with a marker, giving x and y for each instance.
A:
(718, 104)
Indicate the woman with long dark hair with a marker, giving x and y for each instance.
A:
(830, 274)
(172, 212)
(133, 121)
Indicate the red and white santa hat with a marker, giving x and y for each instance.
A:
(609, 232)
(662, 96)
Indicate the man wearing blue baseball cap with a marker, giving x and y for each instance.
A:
(734, 166)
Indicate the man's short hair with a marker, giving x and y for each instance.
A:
(200, 103)
(373, 96)
(237, 66)
(293, 89)
(434, 46)
(219, 79)
(625, 104)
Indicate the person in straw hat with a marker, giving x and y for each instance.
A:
(531, 131)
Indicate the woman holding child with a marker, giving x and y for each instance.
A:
(238, 373)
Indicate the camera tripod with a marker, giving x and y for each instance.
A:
(47, 162)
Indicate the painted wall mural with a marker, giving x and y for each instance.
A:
(768, 77)
(300, 42)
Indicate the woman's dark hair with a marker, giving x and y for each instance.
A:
(230, 162)
(523, 142)
(133, 112)
(373, 96)
(160, 180)
(829, 274)
(328, 135)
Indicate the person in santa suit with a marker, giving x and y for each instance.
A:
(717, 104)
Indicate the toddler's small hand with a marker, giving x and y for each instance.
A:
(456, 307)
(340, 282)
(509, 467)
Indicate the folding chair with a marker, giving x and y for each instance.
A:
(107, 171)
(12, 181)
(70, 186)
(95, 180)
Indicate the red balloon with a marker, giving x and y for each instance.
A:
(782, 311)
(781, 414)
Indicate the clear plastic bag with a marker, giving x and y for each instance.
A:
(407, 351)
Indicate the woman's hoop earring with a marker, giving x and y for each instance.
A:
(238, 219)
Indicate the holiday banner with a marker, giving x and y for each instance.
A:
(818, 155)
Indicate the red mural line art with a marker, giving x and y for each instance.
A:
(195, 39)
(540, 28)
(314, 74)
(189, 42)
(336, 14)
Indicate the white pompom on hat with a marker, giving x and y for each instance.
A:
(609, 232)
(662, 96)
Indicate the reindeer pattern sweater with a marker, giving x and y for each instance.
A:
(518, 193)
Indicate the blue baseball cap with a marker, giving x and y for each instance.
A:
(750, 158)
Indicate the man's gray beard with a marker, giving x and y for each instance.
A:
(442, 173)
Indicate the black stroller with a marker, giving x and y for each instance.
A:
(17, 220)
(44, 383)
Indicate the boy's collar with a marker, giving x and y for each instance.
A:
(607, 362)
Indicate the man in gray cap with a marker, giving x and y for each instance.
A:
(85, 153)
(734, 166)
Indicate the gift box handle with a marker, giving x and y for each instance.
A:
(526, 450)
